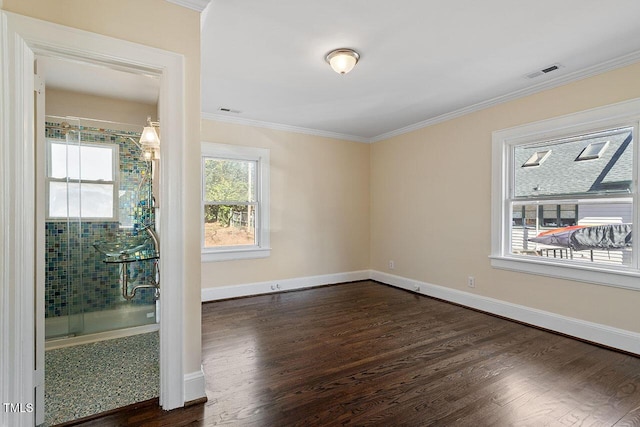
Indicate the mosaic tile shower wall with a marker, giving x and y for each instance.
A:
(77, 280)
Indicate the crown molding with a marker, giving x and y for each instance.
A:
(197, 5)
(584, 73)
(278, 126)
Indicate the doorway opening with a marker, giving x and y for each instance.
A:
(98, 204)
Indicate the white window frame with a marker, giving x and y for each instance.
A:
(262, 248)
(624, 114)
(115, 163)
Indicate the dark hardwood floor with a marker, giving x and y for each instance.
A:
(367, 354)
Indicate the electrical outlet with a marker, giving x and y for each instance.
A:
(471, 282)
(392, 265)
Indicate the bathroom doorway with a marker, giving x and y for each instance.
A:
(97, 209)
(22, 358)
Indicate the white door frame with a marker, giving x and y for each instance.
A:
(21, 39)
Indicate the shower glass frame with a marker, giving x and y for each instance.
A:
(85, 284)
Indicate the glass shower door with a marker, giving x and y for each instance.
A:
(63, 225)
(98, 189)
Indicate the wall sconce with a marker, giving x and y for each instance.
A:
(342, 60)
(149, 140)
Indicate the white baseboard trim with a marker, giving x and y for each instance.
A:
(194, 386)
(606, 335)
(272, 286)
(594, 332)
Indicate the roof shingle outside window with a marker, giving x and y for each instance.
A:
(562, 174)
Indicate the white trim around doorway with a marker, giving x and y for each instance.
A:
(21, 40)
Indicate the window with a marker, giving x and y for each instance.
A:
(81, 181)
(235, 202)
(568, 217)
(536, 158)
(547, 215)
(593, 151)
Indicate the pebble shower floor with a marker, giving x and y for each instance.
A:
(92, 378)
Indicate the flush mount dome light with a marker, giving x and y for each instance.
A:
(342, 60)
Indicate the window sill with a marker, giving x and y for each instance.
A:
(234, 254)
(626, 279)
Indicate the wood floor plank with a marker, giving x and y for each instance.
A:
(631, 419)
(368, 354)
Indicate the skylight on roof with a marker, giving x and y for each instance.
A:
(536, 158)
(593, 151)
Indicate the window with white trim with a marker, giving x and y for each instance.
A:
(82, 181)
(571, 214)
(235, 202)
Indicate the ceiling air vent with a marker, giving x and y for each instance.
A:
(549, 69)
(228, 110)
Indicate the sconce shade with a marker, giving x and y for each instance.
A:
(342, 60)
(149, 137)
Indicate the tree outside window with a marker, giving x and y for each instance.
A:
(235, 202)
(230, 202)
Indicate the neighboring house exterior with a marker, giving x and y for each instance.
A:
(606, 167)
(555, 182)
(602, 163)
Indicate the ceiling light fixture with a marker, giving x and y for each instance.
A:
(342, 60)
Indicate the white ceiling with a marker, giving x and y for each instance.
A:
(420, 61)
(99, 80)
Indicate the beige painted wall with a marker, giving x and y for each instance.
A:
(428, 192)
(431, 212)
(66, 103)
(319, 206)
(175, 29)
